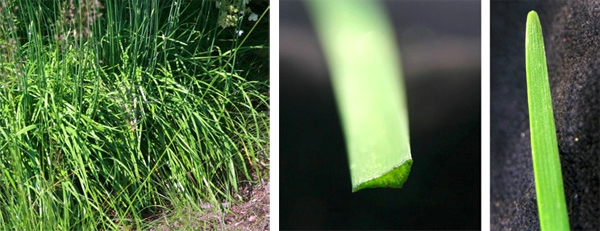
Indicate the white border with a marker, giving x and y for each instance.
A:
(485, 115)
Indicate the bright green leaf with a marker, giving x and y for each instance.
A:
(546, 163)
(26, 129)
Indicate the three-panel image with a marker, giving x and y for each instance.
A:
(299, 115)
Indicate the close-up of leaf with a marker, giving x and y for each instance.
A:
(546, 163)
(360, 50)
(346, 98)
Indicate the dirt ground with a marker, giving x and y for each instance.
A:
(253, 213)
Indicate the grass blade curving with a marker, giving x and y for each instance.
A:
(546, 163)
(361, 53)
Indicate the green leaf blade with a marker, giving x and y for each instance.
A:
(546, 162)
(366, 74)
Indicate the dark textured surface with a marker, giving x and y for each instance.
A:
(572, 39)
(444, 98)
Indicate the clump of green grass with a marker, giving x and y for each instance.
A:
(546, 162)
(112, 110)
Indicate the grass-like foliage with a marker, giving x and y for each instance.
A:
(114, 111)
(360, 49)
(546, 163)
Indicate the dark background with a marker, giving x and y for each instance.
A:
(441, 56)
(572, 39)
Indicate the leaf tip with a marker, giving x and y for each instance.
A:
(395, 178)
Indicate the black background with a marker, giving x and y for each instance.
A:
(440, 42)
(572, 39)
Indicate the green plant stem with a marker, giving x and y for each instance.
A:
(360, 50)
(546, 163)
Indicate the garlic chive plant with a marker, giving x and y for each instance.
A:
(117, 113)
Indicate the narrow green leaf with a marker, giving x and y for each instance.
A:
(360, 49)
(26, 129)
(546, 163)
